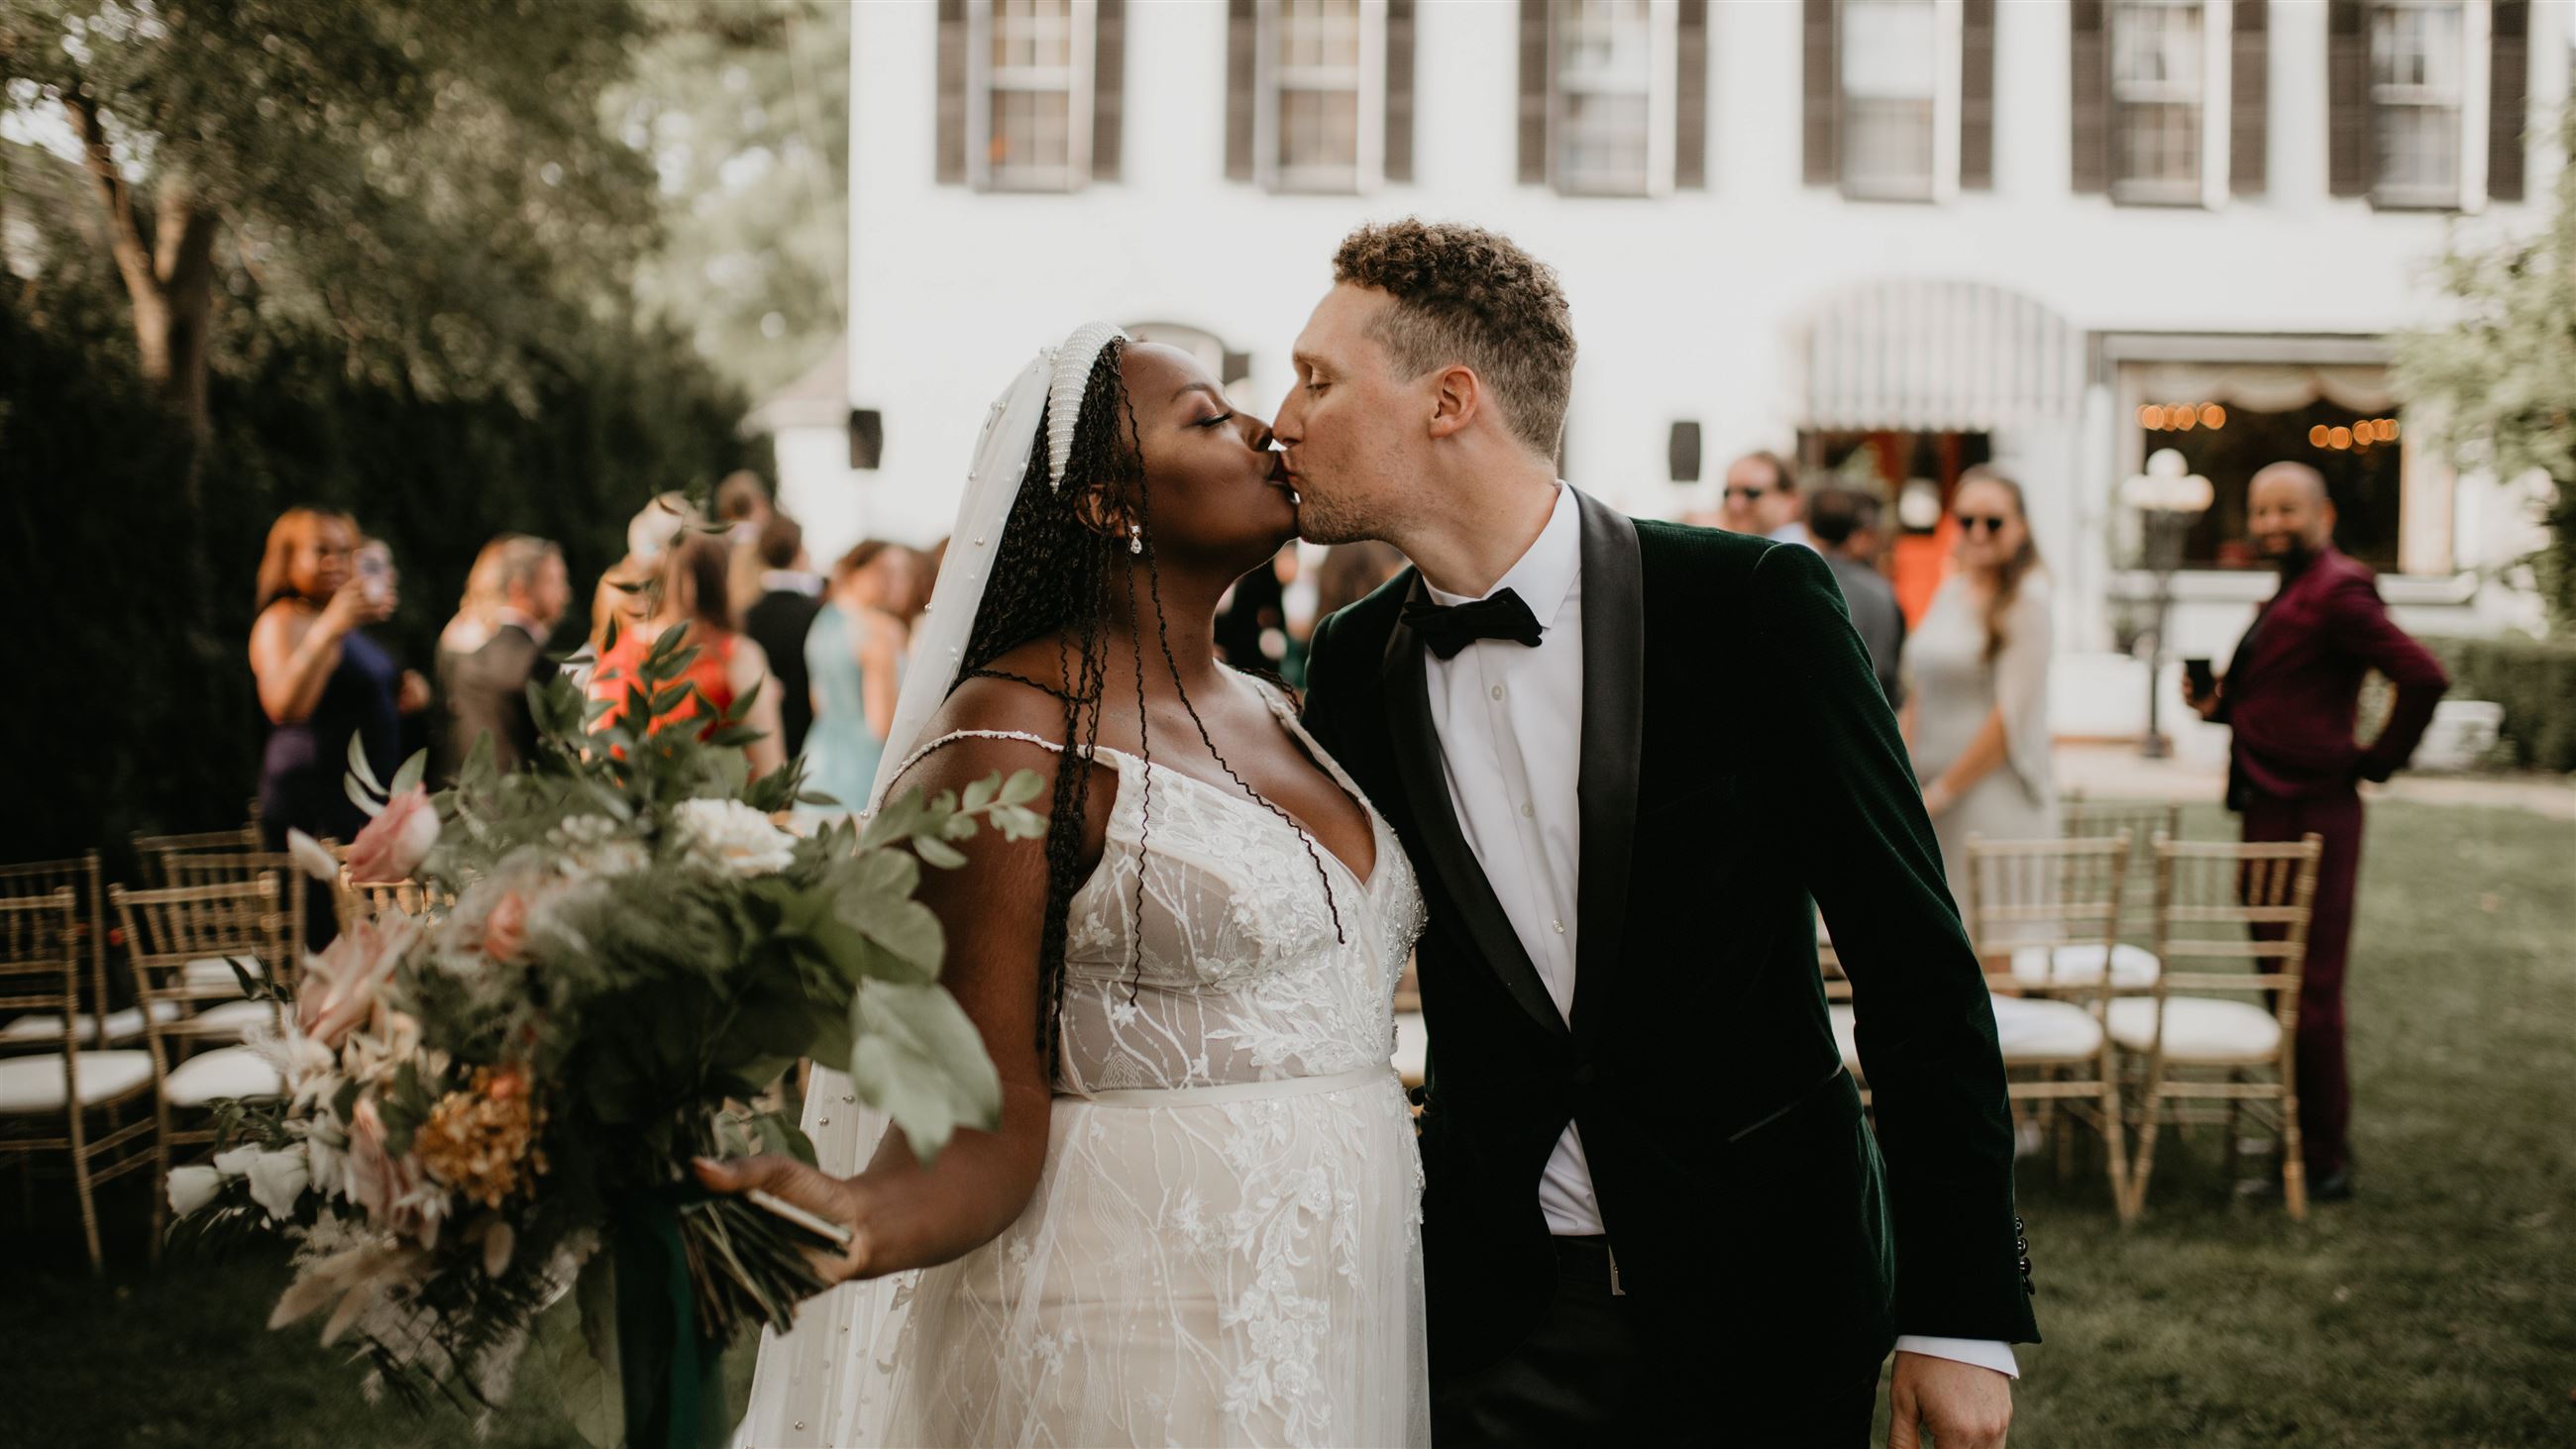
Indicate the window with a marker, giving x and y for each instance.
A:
(1323, 119)
(1605, 93)
(2159, 99)
(2418, 82)
(1890, 85)
(1029, 119)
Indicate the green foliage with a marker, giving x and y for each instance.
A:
(2535, 681)
(2500, 381)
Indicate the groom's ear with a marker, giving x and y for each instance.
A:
(1457, 397)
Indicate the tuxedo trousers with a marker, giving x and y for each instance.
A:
(1595, 1371)
(2324, 1084)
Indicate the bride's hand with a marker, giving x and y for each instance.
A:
(831, 1198)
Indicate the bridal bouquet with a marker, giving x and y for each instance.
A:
(492, 1105)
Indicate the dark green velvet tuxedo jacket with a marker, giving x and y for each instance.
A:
(1739, 766)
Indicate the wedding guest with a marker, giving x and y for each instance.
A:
(1351, 572)
(1251, 620)
(1977, 673)
(321, 683)
(690, 594)
(743, 508)
(2290, 698)
(854, 655)
(623, 597)
(413, 696)
(515, 595)
(1762, 498)
(778, 620)
(1845, 524)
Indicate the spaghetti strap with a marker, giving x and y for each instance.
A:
(924, 751)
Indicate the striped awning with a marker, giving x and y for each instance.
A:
(1945, 356)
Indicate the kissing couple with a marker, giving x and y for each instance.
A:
(1597, 774)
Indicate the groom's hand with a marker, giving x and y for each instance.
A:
(825, 1196)
(1964, 1406)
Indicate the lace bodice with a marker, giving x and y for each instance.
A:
(1234, 971)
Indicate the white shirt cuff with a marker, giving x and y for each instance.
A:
(1985, 1353)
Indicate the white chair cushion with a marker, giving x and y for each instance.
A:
(2133, 968)
(30, 1085)
(2199, 1030)
(225, 1072)
(1412, 1047)
(212, 973)
(232, 1019)
(127, 1025)
(36, 1029)
(1840, 1014)
(2044, 1031)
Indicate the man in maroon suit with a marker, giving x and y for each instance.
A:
(2290, 696)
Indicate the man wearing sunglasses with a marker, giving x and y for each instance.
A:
(1762, 499)
(2290, 697)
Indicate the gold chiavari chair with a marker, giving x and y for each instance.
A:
(40, 879)
(66, 1101)
(2046, 895)
(156, 851)
(168, 933)
(2225, 1032)
(2133, 961)
(214, 974)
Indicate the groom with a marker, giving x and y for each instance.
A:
(1630, 759)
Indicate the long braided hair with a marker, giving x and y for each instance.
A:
(1053, 574)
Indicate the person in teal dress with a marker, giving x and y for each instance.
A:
(854, 656)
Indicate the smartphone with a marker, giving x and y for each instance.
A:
(374, 579)
(2203, 682)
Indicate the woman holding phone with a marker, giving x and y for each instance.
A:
(321, 681)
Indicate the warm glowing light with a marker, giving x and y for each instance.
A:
(2388, 429)
(2150, 416)
(2339, 437)
(2213, 416)
(2317, 436)
(2184, 419)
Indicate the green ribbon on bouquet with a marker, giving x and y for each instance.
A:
(671, 1378)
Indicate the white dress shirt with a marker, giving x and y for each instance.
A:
(1510, 722)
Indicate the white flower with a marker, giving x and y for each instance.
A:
(735, 835)
(192, 1188)
(236, 1163)
(277, 1179)
(593, 847)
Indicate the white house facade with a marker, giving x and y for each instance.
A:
(1891, 238)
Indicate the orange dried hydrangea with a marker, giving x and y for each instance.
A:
(478, 1140)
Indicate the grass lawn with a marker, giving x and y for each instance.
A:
(2439, 1308)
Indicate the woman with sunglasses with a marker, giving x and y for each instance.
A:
(1977, 669)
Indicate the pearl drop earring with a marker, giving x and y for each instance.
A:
(1135, 538)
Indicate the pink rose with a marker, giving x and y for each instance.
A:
(395, 843)
(379, 1181)
(505, 930)
(342, 985)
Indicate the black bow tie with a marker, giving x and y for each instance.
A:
(1452, 627)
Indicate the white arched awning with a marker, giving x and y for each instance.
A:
(1947, 356)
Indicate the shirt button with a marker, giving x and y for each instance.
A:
(1496, 691)
(1526, 810)
(1560, 927)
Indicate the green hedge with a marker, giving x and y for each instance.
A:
(2535, 681)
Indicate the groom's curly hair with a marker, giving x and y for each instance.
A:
(1467, 295)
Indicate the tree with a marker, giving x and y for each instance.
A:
(2502, 378)
(744, 106)
(426, 181)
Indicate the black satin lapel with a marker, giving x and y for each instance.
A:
(1426, 792)
(1614, 715)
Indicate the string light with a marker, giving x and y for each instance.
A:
(2181, 417)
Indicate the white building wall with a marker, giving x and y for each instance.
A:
(1687, 306)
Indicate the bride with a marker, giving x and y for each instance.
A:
(1198, 1222)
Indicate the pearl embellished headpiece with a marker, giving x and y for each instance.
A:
(1072, 376)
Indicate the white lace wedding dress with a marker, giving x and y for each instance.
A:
(1224, 1247)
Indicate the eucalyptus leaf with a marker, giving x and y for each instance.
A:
(359, 797)
(1023, 787)
(918, 1058)
(938, 852)
(358, 765)
(412, 772)
(981, 793)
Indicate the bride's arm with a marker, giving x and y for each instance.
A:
(992, 909)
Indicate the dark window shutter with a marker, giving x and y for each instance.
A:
(1534, 89)
(1242, 35)
(950, 147)
(2249, 98)
(2089, 90)
(1977, 95)
(1398, 153)
(2347, 99)
(1823, 96)
(2508, 95)
(1690, 96)
(1108, 86)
